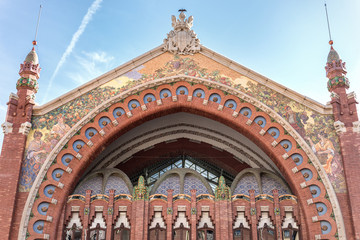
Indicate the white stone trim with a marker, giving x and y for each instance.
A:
(99, 208)
(90, 143)
(339, 127)
(13, 96)
(115, 122)
(122, 208)
(102, 132)
(25, 128)
(78, 156)
(351, 95)
(7, 127)
(356, 127)
(75, 208)
(49, 218)
(288, 208)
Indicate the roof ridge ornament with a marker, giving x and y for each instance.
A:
(182, 40)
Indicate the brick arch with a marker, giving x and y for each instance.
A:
(244, 124)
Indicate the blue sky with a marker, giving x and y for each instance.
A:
(284, 40)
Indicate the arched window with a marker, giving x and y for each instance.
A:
(157, 233)
(266, 233)
(209, 171)
(73, 233)
(205, 233)
(97, 233)
(121, 233)
(242, 233)
(290, 233)
(181, 233)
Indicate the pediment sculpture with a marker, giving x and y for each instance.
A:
(182, 40)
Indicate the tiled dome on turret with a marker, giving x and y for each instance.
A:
(32, 57)
(333, 56)
(29, 71)
(335, 70)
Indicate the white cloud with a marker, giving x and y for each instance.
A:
(87, 18)
(91, 65)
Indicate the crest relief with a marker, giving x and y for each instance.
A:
(182, 40)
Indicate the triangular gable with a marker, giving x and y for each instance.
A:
(208, 65)
(308, 117)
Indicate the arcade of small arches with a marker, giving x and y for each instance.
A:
(184, 188)
(270, 191)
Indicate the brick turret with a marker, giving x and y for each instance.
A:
(16, 128)
(344, 105)
(347, 127)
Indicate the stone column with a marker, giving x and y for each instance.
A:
(253, 214)
(277, 214)
(193, 219)
(110, 215)
(169, 214)
(86, 218)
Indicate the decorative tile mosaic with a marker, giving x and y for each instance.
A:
(309, 124)
(116, 183)
(246, 183)
(268, 184)
(94, 184)
(192, 182)
(172, 182)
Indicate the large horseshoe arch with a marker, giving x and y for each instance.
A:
(184, 94)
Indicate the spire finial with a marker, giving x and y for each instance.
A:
(331, 42)
(37, 26)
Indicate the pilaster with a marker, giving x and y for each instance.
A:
(110, 215)
(193, 219)
(169, 214)
(253, 215)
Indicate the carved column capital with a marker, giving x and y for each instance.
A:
(7, 127)
(339, 127)
(25, 128)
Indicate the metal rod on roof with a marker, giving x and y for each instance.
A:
(327, 18)
(37, 24)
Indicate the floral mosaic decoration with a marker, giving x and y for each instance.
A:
(308, 123)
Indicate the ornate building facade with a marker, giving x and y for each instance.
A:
(181, 143)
